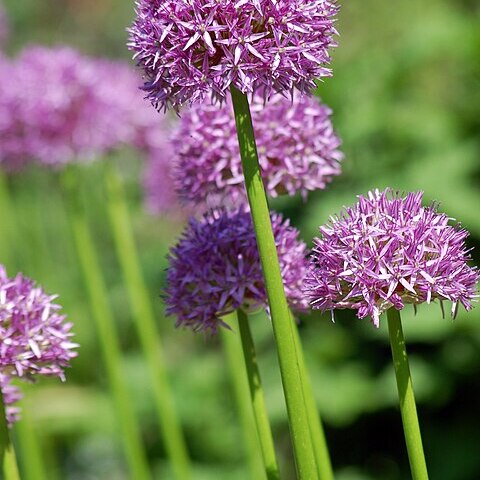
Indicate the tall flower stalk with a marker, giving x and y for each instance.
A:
(319, 442)
(146, 328)
(105, 324)
(232, 347)
(408, 407)
(282, 327)
(257, 397)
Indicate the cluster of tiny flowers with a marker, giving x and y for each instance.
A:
(55, 107)
(191, 48)
(387, 251)
(215, 269)
(297, 147)
(35, 339)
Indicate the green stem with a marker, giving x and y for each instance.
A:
(106, 330)
(146, 326)
(406, 396)
(31, 458)
(232, 347)
(257, 398)
(320, 447)
(8, 461)
(282, 325)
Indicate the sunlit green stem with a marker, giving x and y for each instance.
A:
(107, 333)
(282, 325)
(8, 461)
(406, 396)
(232, 347)
(320, 447)
(258, 400)
(144, 316)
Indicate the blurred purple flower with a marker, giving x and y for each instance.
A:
(35, 339)
(387, 251)
(298, 149)
(215, 269)
(189, 48)
(11, 394)
(56, 108)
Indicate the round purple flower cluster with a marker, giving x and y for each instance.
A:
(297, 146)
(35, 339)
(387, 251)
(190, 48)
(55, 108)
(215, 269)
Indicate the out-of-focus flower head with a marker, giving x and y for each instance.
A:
(297, 146)
(35, 339)
(215, 269)
(11, 394)
(55, 108)
(191, 48)
(160, 197)
(387, 251)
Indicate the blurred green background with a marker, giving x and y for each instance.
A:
(406, 97)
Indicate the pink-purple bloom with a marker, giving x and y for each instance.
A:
(297, 146)
(387, 251)
(35, 338)
(55, 107)
(215, 269)
(192, 48)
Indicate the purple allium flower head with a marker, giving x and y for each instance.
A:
(11, 394)
(190, 48)
(387, 251)
(215, 269)
(298, 149)
(160, 197)
(35, 339)
(56, 108)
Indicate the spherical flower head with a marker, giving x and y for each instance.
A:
(35, 339)
(160, 197)
(191, 48)
(11, 394)
(215, 269)
(387, 251)
(56, 108)
(297, 146)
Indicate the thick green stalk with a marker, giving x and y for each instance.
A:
(31, 458)
(232, 348)
(8, 461)
(258, 400)
(406, 396)
(107, 333)
(282, 325)
(320, 447)
(146, 327)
